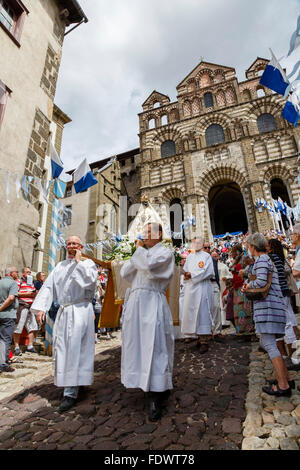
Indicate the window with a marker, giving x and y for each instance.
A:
(7, 15)
(164, 120)
(214, 135)
(132, 159)
(260, 92)
(69, 190)
(168, 148)
(12, 16)
(4, 92)
(151, 123)
(208, 100)
(122, 162)
(266, 123)
(67, 218)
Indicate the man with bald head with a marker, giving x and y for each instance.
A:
(72, 284)
(198, 302)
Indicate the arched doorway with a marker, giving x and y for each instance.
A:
(176, 219)
(227, 209)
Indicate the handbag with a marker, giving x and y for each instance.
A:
(260, 293)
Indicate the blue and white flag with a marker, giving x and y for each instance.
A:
(295, 39)
(83, 177)
(282, 206)
(59, 188)
(57, 165)
(290, 113)
(274, 76)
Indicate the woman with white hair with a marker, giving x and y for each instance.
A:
(269, 312)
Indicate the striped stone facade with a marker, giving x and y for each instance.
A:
(247, 155)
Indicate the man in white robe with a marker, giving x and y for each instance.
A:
(72, 284)
(147, 328)
(198, 304)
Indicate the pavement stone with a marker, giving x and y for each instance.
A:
(205, 409)
(275, 418)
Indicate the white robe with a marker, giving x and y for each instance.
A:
(72, 285)
(198, 304)
(147, 328)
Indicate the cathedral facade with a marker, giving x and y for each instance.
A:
(217, 149)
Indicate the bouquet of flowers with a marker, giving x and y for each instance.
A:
(120, 248)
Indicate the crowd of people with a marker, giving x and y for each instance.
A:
(250, 282)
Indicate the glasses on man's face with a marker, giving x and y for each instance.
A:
(206, 248)
(73, 244)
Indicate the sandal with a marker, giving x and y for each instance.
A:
(277, 393)
(290, 382)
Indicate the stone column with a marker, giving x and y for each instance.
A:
(262, 218)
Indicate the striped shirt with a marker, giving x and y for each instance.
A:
(281, 274)
(24, 287)
(269, 314)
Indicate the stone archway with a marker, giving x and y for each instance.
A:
(227, 209)
(223, 190)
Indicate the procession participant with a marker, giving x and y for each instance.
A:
(147, 328)
(8, 315)
(25, 317)
(224, 274)
(198, 304)
(72, 284)
(242, 308)
(216, 281)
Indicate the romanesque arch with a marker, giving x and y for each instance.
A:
(220, 118)
(217, 175)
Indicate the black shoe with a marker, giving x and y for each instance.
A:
(17, 352)
(7, 368)
(277, 393)
(290, 382)
(67, 404)
(155, 411)
(164, 395)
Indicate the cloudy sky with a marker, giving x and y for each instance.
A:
(127, 49)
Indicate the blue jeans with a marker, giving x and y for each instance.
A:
(7, 326)
(71, 392)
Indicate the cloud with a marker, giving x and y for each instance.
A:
(127, 49)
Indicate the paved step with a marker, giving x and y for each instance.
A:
(26, 365)
(18, 373)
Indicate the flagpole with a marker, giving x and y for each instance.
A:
(51, 266)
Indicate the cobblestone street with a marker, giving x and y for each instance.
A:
(205, 411)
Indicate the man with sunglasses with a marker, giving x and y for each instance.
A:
(8, 315)
(72, 284)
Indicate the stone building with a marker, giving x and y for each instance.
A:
(31, 37)
(217, 149)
